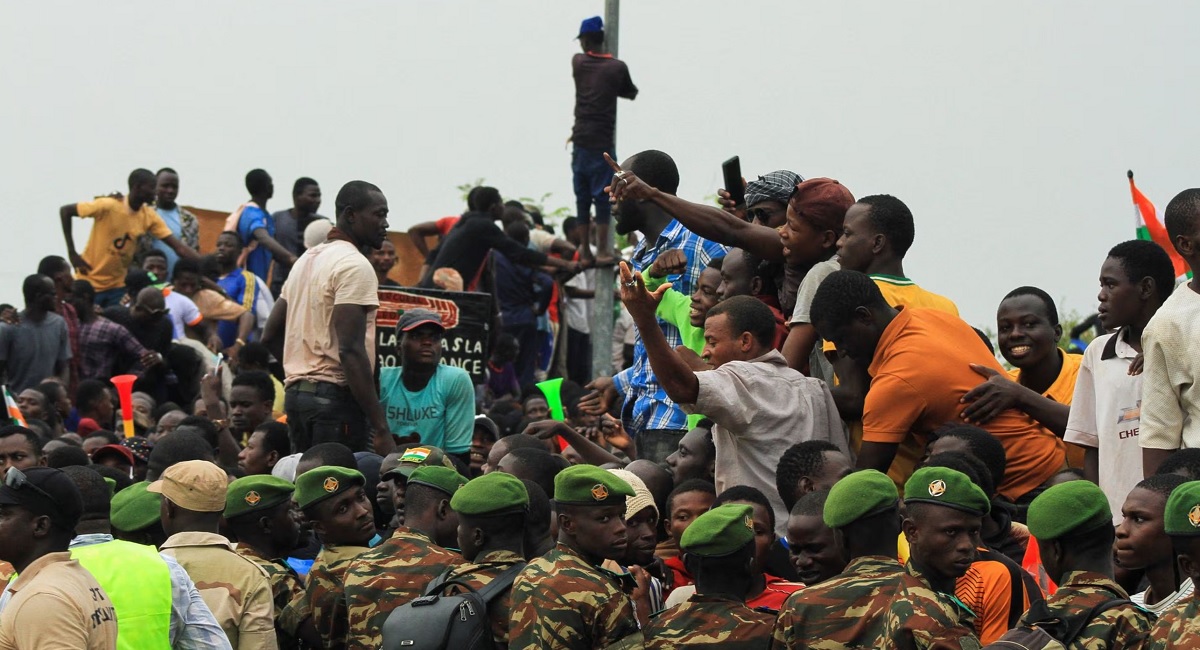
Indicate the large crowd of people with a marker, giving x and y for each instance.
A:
(799, 446)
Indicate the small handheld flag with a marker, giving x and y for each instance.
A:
(1149, 228)
(14, 412)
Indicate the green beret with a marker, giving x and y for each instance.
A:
(316, 485)
(946, 487)
(135, 508)
(112, 485)
(1066, 508)
(720, 531)
(1182, 515)
(438, 478)
(256, 493)
(490, 494)
(859, 495)
(588, 485)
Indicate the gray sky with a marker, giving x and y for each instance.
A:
(1006, 127)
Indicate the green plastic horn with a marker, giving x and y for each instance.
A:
(552, 389)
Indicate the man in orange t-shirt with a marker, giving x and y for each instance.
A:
(920, 368)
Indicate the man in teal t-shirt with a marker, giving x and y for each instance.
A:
(424, 397)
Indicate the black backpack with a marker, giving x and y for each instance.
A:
(437, 622)
(1047, 632)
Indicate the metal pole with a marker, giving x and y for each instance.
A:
(602, 315)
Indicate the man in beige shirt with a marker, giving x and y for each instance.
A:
(55, 602)
(234, 587)
(759, 405)
(323, 329)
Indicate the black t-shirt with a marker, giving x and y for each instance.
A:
(599, 81)
(468, 243)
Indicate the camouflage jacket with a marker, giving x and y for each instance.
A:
(1178, 627)
(709, 622)
(478, 574)
(1118, 627)
(846, 611)
(563, 602)
(387, 577)
(920, 617)
(285, 587)
(324, 598)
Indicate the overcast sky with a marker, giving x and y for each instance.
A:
(1006, 127)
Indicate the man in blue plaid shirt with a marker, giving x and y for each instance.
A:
(648, 414)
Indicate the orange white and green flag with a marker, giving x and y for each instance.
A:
(14, 413)
(1149, 228)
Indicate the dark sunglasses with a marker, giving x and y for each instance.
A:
(17, 480)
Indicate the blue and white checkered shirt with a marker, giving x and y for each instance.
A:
(646, 403)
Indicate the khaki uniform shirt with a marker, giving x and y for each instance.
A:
(234, 587)
(56, 603)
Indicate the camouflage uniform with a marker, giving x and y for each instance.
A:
(1178, 627)
(324, 598)
(285, 587)
(709, 622)
(388, 576)
(846, 611)
(1118, 627)
(478, 574)
(920, 617)
(561, 601)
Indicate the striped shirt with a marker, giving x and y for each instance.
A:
(1183, 593)
(646, 403)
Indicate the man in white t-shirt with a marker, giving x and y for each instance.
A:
(1106, 409)
(323, 329)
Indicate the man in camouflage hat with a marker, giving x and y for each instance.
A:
(1179, 627)
(491, 530)
(234, 588)
(564, 600)
(398, 570)
(1073, 527)
(259, 511)
(848, 610)
(334, 501)
(943, 518)
(720, 542)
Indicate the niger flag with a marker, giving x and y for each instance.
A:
(1150, 228)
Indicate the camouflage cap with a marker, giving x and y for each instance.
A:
(196, 485)
(1066, 508)
(327, 481)
(256, 493)
(859, 495)
(1182, 515)
(946, 487)
(588, 485)
(490, 494)
(438, 478)
(135, 508)
(411, 459)
(723, 530)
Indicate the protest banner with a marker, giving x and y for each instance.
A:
(468, 320)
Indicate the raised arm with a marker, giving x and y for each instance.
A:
(710, 222)
(676, 378)
(420, 232)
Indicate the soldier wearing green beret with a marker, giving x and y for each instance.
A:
(397, 475)
(944, 512)
(848, 610)
(564, 600)
(136, 515)
(398, 570)
(492, 513)
(263, 518)
(334, 501)
(720, 544)
(1073, 527)
(1177, 627)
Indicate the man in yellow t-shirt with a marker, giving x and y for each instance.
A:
(1042, 382)
(113, 241)
(876, 235)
